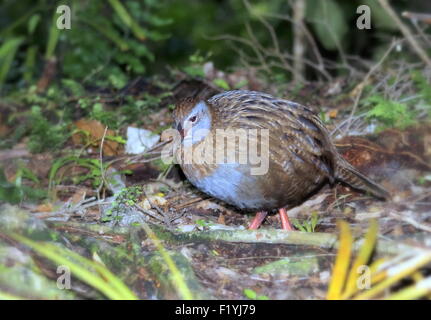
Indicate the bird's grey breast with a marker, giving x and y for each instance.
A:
(233, 183)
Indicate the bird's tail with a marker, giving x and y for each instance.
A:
(345, 172)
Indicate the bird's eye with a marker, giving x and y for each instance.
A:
(193, 119)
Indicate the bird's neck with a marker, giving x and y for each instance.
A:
(201, 130)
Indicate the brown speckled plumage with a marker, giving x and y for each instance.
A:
(302, 156)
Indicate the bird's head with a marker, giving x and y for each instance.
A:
(193, 120)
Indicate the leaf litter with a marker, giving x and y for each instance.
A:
(210, 252)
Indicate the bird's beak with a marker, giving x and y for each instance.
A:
(180, 130)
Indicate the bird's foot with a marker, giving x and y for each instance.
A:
(261, 215)
(257, 220)
(285, 223)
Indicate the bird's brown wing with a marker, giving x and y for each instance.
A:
(298, 141)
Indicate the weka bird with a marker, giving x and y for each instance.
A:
(302, 157)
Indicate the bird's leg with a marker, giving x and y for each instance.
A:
(257, 221)
(285, 223)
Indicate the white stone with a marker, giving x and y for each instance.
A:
(139, 140)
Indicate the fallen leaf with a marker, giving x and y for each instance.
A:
(95, 130)
(333, 113)
(78, 196)
(221, 219)
(44, 207)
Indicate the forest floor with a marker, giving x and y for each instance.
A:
(164, 239)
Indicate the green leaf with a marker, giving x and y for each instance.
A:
(221, 83)
(390, 113)
(118, 79)
(118, 139)
(127, 19)
(75, 87)
(45, 135)
(194, 71)
(251, 294)
(33, 22)
(7, 55)
(54, 35)
(110, 33)
(380, 18)
(328, 22)
(8, 191)
(241, 84)
(15, 193)
(423, 85)
(30, 62)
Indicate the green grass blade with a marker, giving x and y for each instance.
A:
(7, 55)
(30, 62)
(177, 276)
(362, 258)
(396, 273)
(414, 291)
(54, 35)
(342, 262)
(127, 19)
(104, 281)
(8, 296)
(109, 33)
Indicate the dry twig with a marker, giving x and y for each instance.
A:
(406, 32)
